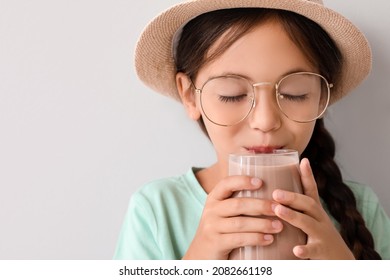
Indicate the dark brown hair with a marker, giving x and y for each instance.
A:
(193, 52)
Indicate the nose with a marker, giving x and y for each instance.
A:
(265, 115)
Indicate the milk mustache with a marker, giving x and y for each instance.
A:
(279, 169)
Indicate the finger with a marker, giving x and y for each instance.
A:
(245, 206)
(299, 202)
(300, 220)
(315, 251)
(225, 188)
(302, 252)
(249, 224)
(237, 240)
(308, 182)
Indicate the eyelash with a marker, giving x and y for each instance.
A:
(297, 98)
(226, 99)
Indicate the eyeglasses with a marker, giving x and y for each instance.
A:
(228, 100)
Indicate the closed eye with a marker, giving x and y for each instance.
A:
(295, 98)
(232, 99)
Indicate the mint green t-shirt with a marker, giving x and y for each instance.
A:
(163, 217)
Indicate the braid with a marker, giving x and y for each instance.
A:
(338, 196)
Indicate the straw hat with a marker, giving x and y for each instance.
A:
(154, 51)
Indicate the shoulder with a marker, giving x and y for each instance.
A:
(363, 193)
(165, 190)
(367, 201)
(374, 215)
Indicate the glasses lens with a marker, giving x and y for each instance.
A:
(227, 100)
(303, 97)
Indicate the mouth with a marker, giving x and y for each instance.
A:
(263, 149)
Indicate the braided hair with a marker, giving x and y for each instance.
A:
(337, 196)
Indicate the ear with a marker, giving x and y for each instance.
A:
(187, 95)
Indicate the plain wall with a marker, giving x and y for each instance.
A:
(79, 133)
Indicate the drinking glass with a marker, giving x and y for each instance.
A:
(278, 169)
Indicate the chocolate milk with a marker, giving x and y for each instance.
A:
(277, 170)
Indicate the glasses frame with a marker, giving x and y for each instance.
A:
(253, 99)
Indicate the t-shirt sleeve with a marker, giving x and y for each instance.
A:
(137, 238)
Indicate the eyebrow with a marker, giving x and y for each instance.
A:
(294, 70)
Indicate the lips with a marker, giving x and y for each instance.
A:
(262, 149)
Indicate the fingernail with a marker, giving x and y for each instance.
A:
(273, 206)
(268, 237)
(276, 224)
(298, 251)
(283, 210)
(279, 194)
(307, 162)
(255, 181)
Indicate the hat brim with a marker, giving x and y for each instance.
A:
(155, 65)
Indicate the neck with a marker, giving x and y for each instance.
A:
(209, 177)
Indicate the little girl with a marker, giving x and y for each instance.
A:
(256, 76)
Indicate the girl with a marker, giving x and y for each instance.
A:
(257, 76)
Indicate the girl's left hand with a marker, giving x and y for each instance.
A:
(305, 211)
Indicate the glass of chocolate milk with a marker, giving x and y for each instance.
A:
(278, 169)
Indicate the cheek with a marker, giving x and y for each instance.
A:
(303, 135)
(222, 138)
(218, 135)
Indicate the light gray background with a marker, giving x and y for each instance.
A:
(79, 133)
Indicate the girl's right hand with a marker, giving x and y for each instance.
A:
(231, 222)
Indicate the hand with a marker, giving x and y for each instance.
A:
(230, 222)
(305, 211)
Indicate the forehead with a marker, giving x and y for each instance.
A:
(266, 52)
